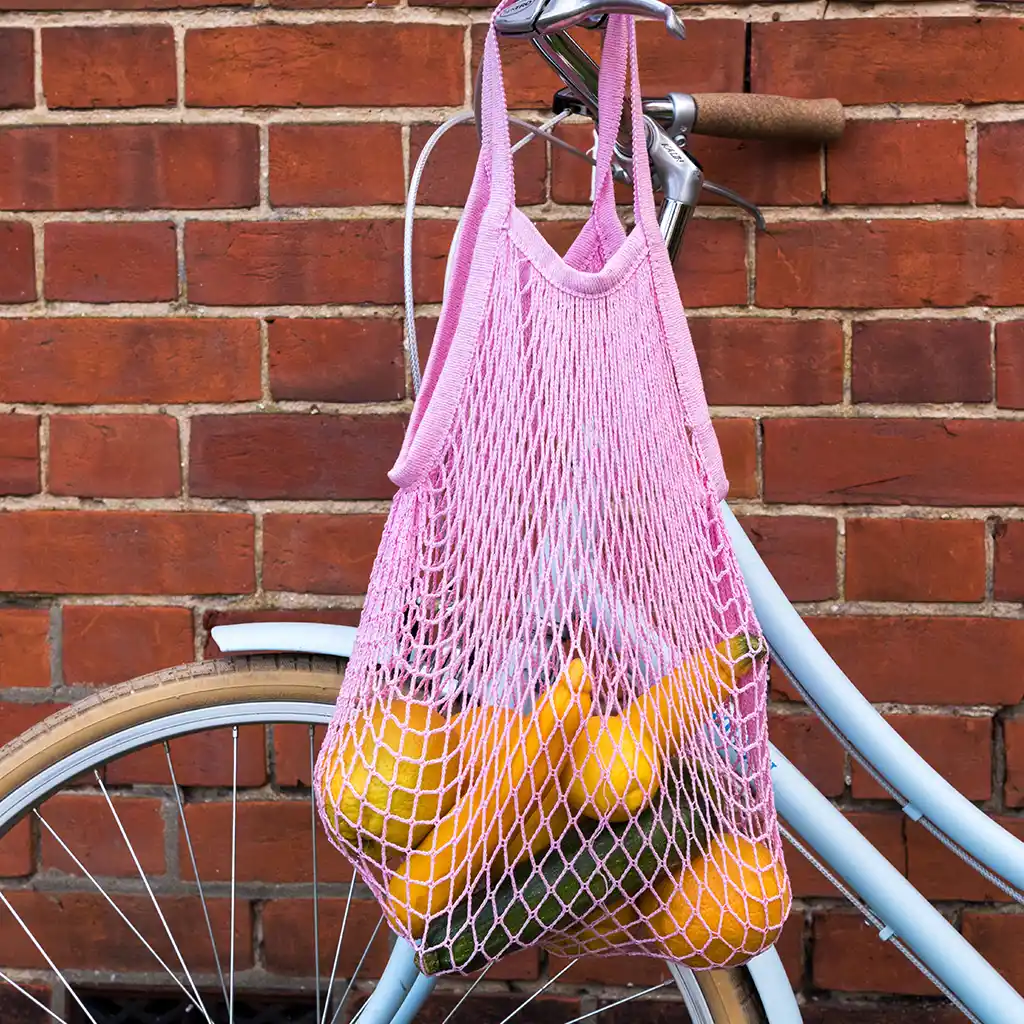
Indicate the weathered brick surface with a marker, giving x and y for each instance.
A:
(203, 387)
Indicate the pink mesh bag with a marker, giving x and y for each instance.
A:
(552, 730)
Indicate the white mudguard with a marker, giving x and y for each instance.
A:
(296, 637)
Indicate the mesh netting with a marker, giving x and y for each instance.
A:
(552, 730)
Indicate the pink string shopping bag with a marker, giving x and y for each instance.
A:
(552, 730)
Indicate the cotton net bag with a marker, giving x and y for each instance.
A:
(552, 729)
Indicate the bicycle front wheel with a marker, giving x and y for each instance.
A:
(175, 865)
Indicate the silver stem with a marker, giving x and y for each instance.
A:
(195, 871)
(152, 896)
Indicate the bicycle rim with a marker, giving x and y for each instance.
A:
(191, 929)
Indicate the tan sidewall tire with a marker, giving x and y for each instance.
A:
(730, 995)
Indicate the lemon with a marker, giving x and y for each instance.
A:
(391, 775)
(611, 770)
(722, 908)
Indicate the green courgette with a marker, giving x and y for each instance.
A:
(563, 884)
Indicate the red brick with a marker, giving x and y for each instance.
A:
(1009, 561)
(111, 262)
(294, 455)
(800, 552)
(915, 560)
(19, 454)
(109, 643)
(288, 942)
(90, 831)
(880, 1011)
(129, 167)
(767, 172)
(200, 759)
(883, 162)
(317, 5)
(890, 60)
(922, 361)
(110, 5)
(311, 261)
(922, 660)
(738, 442)
(939, 874)
(806, 741)
(849, 957)
(997, 937)
(115, 456)
(320, 554)
(81, 930)
(16, 858)
(609, 970)
(85, 360)
(305, 162)
(1000, 158)
(274, 843)
(325, 65)
(16, 718)
(958, 748)
(114, 66)
(452, 163)
(24, 647)
(860, 264)
(712, 61)
(1013, 735)
(17, 262)
(893, 462)
(883, 829)
(745, 361)
(69, 552)
(291, 743)
(211, 618)
(359, 360)
(16, 72)
(1010, 365)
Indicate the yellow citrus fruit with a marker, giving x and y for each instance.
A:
(611, 770)
(392, 774)
(722, 908)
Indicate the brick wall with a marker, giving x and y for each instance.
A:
(202, 383)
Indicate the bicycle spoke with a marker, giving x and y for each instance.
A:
(533, 995)
(195, 871)
(467, 993)
(234, 855)
(152, 896)
(117, 910)
(337, 949)
(31, 998)
(619, 1002)
(316, 890)
(355, 973)
(46, 956)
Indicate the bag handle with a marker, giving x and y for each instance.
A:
(618, 61)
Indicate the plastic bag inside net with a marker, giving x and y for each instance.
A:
(552, 730)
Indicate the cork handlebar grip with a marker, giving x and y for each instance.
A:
(749, 116)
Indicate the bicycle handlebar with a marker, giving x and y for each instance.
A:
(750, 116)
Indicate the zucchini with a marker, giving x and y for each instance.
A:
(587, 867)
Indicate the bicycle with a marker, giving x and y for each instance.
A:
(155, 712)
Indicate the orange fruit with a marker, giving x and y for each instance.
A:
(722, 908)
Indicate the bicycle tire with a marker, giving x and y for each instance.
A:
(188, 698)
